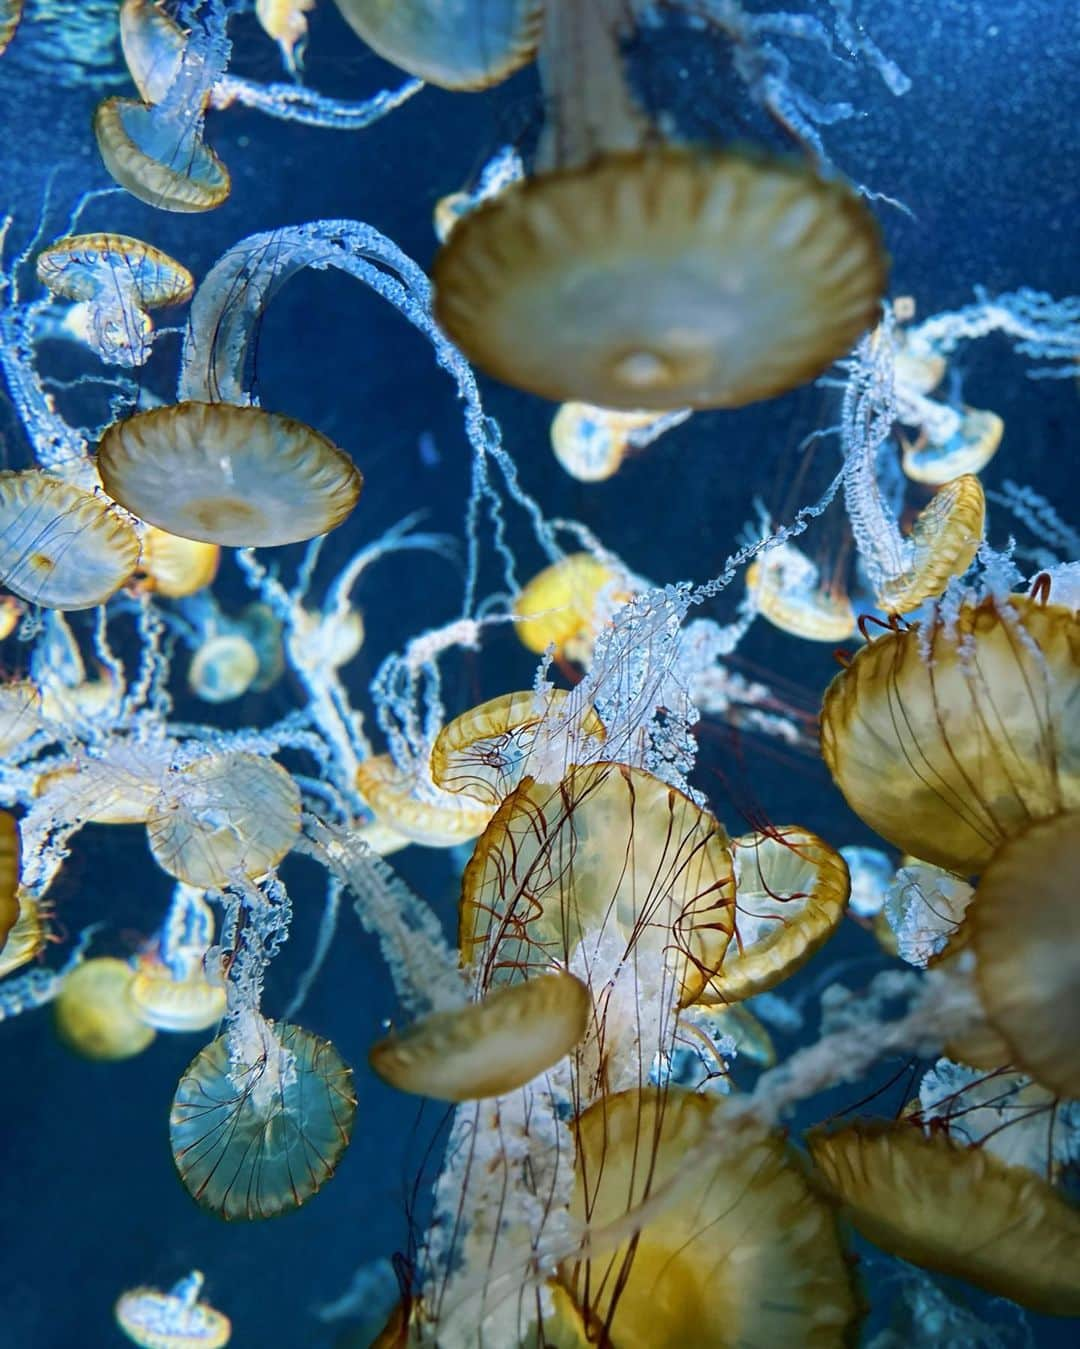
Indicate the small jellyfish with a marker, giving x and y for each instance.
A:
(95, 1015)
(60, 546)
(257, 1135)
(117, 279)
(591, 442)
(225, 813)
(172, 1320)
(565, 604)
(487, 1048)
(435, 818)
(943, 544)
(969, 450)
(787, 590)
(238, 476)
(176, 1004)
(20, 713)
(10, 14)
(176, 567)
(286, 22)
(471, 44)
(9, 874)
(223, 667)
(27, 936)
(961, 1211)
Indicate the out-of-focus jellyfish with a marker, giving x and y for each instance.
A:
(967, 450)
(223, 668)
(790, 893)
(471, 45)
(871, 872)
(1026, 936)
(256, 1135)
(942, 544)
(953, 735)
(285, 21)
(172, 1320)
(10, 14)
(565, 604)
(95, 1015)
(736, 1022)
(60, 546)
(958, 1210)
(225, 474)
(618, 274)
(424, 815)
(924, 907)
(786, 588)
(224, 815)
(116, 280)
(490, 1047)
(9, 874)
(176, 567)
(591, 442)
(706, 1268)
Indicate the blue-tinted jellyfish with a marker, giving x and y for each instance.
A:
(257, 1136)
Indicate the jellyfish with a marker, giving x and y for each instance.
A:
(173, 1320)
(167, 1003)
(116, 280)
(60, 546)
(953, 735)
(968, 450)
(223, 668)
(257, 1135)
(95, 1015)
(225, 474)
(786, 588)
(706, 1267)
(958, 1210)
(421, 813)
(224, 815)
(591, 442)
(10, 14)
(871, 873)
(176, 567)
(565, 604)
(285, 22)
(618, 274)
(115, 782)
(942, 544)
(9, 874)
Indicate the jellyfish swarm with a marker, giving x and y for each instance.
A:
(256, 1136)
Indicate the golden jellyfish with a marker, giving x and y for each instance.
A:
(9, 874)
(169, 1003)
(224, 815)
(223, 667)
(471, 44)
(225, 474)
(152, 43)
(958, 1210)
(740, 1252)
(791, 890)
(943, 544)
(787, 590)
(286, 22)
(174, 567)
(117, 785)
(435, 818)
(591, 442)
(27, 936)
(485, 752)
(258, 1135)
(610, 850)
(490, 1047)
(618, 275)
(118, 279)
(1025, 925)
(62, 547)
(95, 1015)
(564, 605)
(10, 14)
(969, 450)
(953, 735)
(173, 1320)
(20, 713)
(925, 907)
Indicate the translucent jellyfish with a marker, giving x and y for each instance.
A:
(9, 874)
(432, 817)
(503, 168)
(925, 906)
(176, 567)
(225, 474)
(470, 45)
(60, 546)
(565, 604)
(27, 936)
(258, 1136)
(707, 1267)
(176, 1004)
(791, 889)
(942, 545)
(787, 589)
(591, 442)
(224, 667)
(951, 736)
(224, 815)
(286, 22)
(957, 1210)
(10, 14)
(969, 450)
(487, 1048)
(116, 279)
(1026, 936)
(95, 1015)
(485, 752)
(172, 1320)
(618, 275)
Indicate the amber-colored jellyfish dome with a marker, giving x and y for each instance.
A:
(960, 1211)
(751, 1037)
(436, 819)
(171, 1004)
(27, 936)
(954, 735)
(790, 892)
(61, 547)
(139, 151)
(82, 266)
(238, 476)
(943, 544)
(257, 1139)
(176, 567)
(662, 279)
(559, 605)
(20, 713)
(591, 442)
(925, 908)
(224, 667)
(153, 45)
(787, 591)
(485, 752)
(10, 14)
(610, 849)
(487, 1048)
(95, 1015)
(172, 1320)
(223, 814)
(1025, 922)
(471, 44)
(742, 1252)
(9, 874)
(968, 451)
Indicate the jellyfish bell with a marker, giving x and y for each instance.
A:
(223, 668)
(565, 604)
(286, 22)
(435, 818)
(27, 936)
(942, 545)
(226, 474)
(470, 44)
(968, 451)
(177, 1319)
(786, 589)
(169, 1003)
(174, 567)
(60, 546)
(10, 14)
(591, 442)
(94, 1013)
